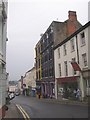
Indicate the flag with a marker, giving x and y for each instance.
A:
(75, 66)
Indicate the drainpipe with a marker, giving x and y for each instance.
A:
(77, 50)
(81, 76)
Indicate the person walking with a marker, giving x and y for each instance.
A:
(78, 94)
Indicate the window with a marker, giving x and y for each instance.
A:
(64, 47)
(36, 52)
(51, 70)
(82, 38)
(66, 68)
(58, 52)
(84, 58)
(39, 62)
(50, 53)
(74, 60)
(38, 49)
(59, 65)
(47, 35)
(37, 75)
(72, 45)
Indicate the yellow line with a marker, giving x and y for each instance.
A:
(21, 112)
(25, 115)
(25, 112)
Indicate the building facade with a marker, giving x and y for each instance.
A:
(38, 66)
(31, 78)
(55, 34)
(3, 39)
(89, 11)
(20, 84)
(72, 63)
(29, 81)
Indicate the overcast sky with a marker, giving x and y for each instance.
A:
(27, 19)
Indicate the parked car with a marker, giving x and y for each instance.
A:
(11, 95)
(17, 93)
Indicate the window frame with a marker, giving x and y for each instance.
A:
(58, 52)
(72, 45)
(65, 50)
(84, 59)
(82, 38)
(59, 67)
(66, 68)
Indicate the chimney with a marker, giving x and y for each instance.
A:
(72, 15)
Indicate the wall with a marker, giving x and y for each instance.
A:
(63, 58)
(3, 34)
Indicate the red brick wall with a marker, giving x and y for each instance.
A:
(72, 22)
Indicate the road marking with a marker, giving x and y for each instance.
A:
(21, 112)
(25, 115)
(25, 112)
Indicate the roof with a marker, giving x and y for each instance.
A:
(30, 70)
(71, 36)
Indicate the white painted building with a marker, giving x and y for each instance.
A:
(89, 11)
(73, 49)
(30, 78)
(3, 39)
(20, 85)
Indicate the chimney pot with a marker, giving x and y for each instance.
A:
(72, 15)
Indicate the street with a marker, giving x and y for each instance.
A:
(41, 108)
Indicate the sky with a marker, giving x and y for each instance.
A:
(27, 19)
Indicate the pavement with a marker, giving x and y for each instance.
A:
(66, 101)
(13, 111)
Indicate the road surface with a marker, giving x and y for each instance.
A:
(41, 108)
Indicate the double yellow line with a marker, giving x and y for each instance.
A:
(25, 115)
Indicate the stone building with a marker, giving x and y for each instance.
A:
(3, 39)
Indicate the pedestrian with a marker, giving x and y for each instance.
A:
(75, 92)
(78, 94)
(39, 95)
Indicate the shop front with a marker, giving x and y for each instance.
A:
(66, 87)
(48, 89)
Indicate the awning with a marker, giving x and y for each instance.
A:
(75, 66)
(67, 79)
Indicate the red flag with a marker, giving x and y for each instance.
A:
(75, 66)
